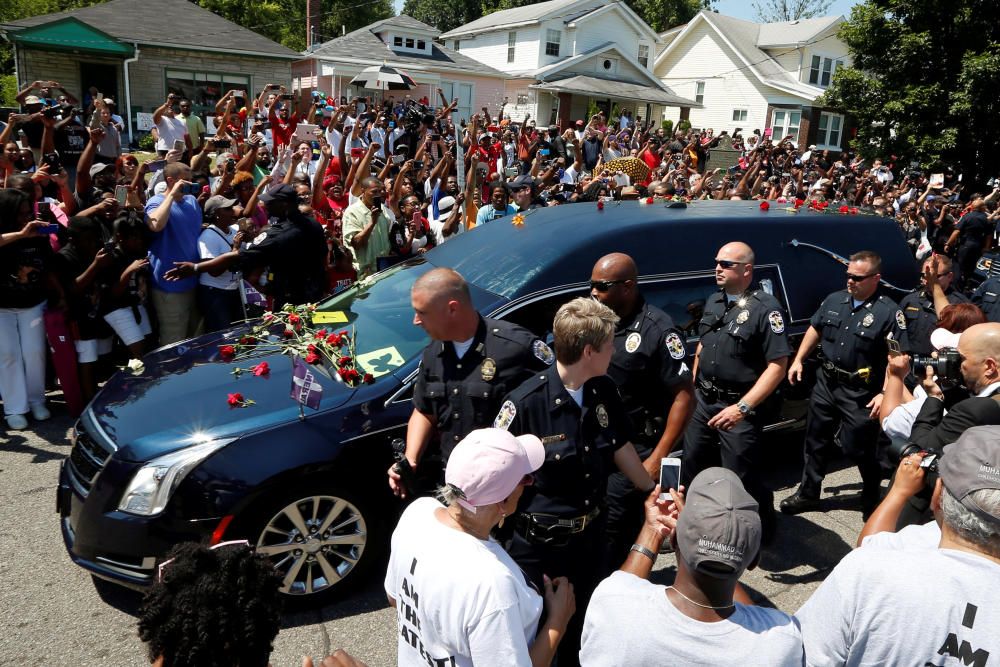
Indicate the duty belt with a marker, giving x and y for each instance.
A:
(714, 392)
(834, 372)
(552, 529)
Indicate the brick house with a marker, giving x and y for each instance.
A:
(137, 51)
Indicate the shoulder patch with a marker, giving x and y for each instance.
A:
(259, 238)
(506, 415)
(900, 320)
(776, 321)
(543, 352)
(675, 346)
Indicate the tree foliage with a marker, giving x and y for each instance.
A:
(772, 11)
(444, 15)
(924, 82)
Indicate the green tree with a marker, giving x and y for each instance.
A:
(772, 11)
(444, 15)
(924, 82)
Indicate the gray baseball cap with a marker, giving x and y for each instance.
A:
(217, 202)
(718, 531)
(970, 464)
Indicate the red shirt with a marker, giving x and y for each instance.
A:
(282, 131)
(652, 161)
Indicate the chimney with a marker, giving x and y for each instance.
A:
(312, 22)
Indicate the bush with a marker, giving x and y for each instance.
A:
(668, 127)
(146, 142)
(683, 125)
(8, 91)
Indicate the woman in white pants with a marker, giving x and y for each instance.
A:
(24, 279)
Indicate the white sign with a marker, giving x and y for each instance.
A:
(144, 121)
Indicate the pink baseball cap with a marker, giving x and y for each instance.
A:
(489, 463)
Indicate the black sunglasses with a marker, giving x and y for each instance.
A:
(605, 285)
(727, 263)
(858, 279)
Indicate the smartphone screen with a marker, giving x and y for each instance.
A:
(44, 211)
(121, 193)
(179, 145)
(670, 476)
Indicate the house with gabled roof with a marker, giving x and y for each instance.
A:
(407, 44)
(138, 51)
(564, 56)
(757, 75)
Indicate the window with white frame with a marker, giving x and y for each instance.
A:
(830, 129)
(785, 123)
(397, 40)
(699, 92)
(821, 70)
(511, 43)
(644, 55)
(552, 40)
(739, 115)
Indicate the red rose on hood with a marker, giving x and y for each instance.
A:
(764, 206)
(227, 352)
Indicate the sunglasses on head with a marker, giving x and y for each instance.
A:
(605, 285)
(727, 263)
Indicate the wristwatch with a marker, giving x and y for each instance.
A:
(745, 408)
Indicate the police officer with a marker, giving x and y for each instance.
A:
(577, 412)
(987, 297)
(292, 248)
(972, 232)
(470, 364)
(851, 327)
(649, 368)
(918, 306)
(740, 361)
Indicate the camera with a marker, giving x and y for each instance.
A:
(900, 449)
(947, 366)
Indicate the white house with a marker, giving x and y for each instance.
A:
(562, 55)
(756, 75)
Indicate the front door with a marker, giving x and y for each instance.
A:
(462, 91)
(104, 78)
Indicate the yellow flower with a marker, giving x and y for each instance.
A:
(517, 220)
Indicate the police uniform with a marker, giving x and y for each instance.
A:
(294, 250)
(987, 297)
(460, 395)
(854, 355)
(739, 338)
(649, 361)
(559, 528)
(921, 318)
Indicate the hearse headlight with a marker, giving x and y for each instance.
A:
(151, 487)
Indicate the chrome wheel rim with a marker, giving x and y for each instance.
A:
(314, 543)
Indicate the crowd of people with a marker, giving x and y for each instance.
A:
(536, 469)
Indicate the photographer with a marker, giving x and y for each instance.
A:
(880, 607)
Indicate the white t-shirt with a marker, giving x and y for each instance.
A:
(460, 601)
(211, 244)
(911, 606)
(631, 622)
(926, 536)
(170, 130)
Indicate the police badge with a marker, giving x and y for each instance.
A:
(543, 352)
(632, 342)
(506, 415)
(489, 369)
(675, 346)
(743, 316)
(869, 318)
(602, 416)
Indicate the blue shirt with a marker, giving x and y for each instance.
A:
(488, 213)
(177, 242)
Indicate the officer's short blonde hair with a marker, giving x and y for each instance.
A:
(579, 323)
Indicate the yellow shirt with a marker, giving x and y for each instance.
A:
(356, 218)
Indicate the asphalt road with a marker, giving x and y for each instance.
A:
(52, 613)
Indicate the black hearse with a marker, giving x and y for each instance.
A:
(161, 457)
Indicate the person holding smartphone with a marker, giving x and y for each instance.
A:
(410, 234)
(169, 126)
(366, 227)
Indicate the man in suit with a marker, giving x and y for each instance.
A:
(933, 430)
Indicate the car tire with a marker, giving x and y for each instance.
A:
(322, 540)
